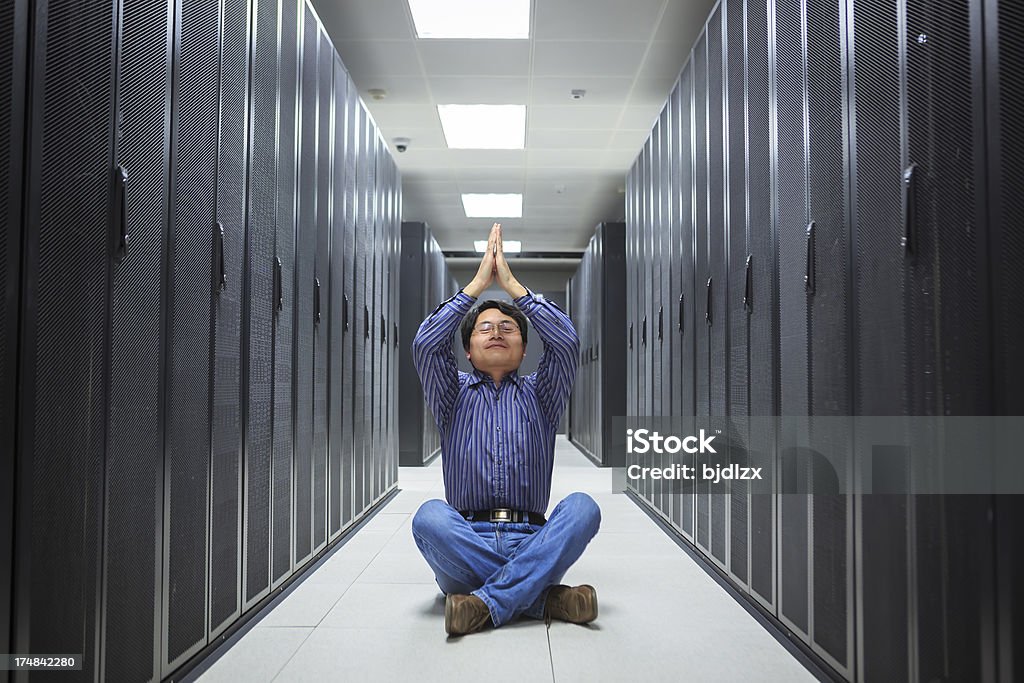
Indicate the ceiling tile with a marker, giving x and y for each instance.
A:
(640, 117)
(665, 59)
(683, 20)
(572, 117)
(400, 90)
(628, 139)
(594, 58)
(475, 57)
(367, 58)
(474, 158)
(651, 91)
(391, 117)
(596, 19)
(558, 158)
(599, 91)
(419, 139)
(567, 139)
(377, 20)
(490, 90)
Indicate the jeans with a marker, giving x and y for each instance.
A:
(509, 566)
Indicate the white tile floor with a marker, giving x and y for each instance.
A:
(372, 612)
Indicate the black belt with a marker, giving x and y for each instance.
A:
(504, 515)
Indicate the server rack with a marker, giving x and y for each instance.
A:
(836, 200)
(424, 282)
(184, 439)
(596, 296)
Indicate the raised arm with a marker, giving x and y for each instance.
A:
(433, 357)
(432, 347)
(556, 371)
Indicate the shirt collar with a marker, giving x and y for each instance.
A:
(480, 377)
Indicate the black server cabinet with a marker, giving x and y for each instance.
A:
(322, 287)
(360, 311)
(877, 164)
(737, 253)
(285, 317)
(413, 301)
(702, 270)
(350, 331)
(423, 283)
(192, 280)
(305, 287)
(63, 383)
(378, 382)
(226, 438)
(828, 330)
(684, 295)
(948, 320)
(13, 43)
(717, 311)
(261, 304)
(339, 439)
(762, 306)
(663, 315)
(596, 298)
(134, 450)
(652, 240)
(794, 242)
(1005, 145)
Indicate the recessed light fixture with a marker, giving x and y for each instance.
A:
(501, 19)
(507, 246)
(493, 205)
(483, 126)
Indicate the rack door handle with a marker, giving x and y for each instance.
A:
(707, 304)
(631, 336)
(278, 293)
(366, 322)
(748, 285)
(121, 221)
(344, 312)
(682, 327)
(661, 323)
(383, 331)
(316, 301)
(222, 276)
(910, 209)
(643, 332)
(809, 265)
(394, 334)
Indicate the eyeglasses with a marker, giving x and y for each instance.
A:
(505, 327)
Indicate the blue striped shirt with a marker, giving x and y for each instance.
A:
(497, 443)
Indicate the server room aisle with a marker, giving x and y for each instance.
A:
(372, 612)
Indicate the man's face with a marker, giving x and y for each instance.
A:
(495, 351)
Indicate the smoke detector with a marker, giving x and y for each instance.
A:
(577, 94)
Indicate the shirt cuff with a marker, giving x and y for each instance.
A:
(525, 298)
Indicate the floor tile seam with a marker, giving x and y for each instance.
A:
(292, 656)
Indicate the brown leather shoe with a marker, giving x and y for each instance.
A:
(577, 605)
(465, 614)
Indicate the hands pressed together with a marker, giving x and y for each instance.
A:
(494, 266)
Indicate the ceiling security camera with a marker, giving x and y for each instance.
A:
(401, 144)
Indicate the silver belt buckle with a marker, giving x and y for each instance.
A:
(501, 515)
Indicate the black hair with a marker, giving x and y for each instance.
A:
(469, 322)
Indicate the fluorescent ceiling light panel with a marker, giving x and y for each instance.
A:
(483, 126)
(508, 246)
(493, 205)
(501, 19)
